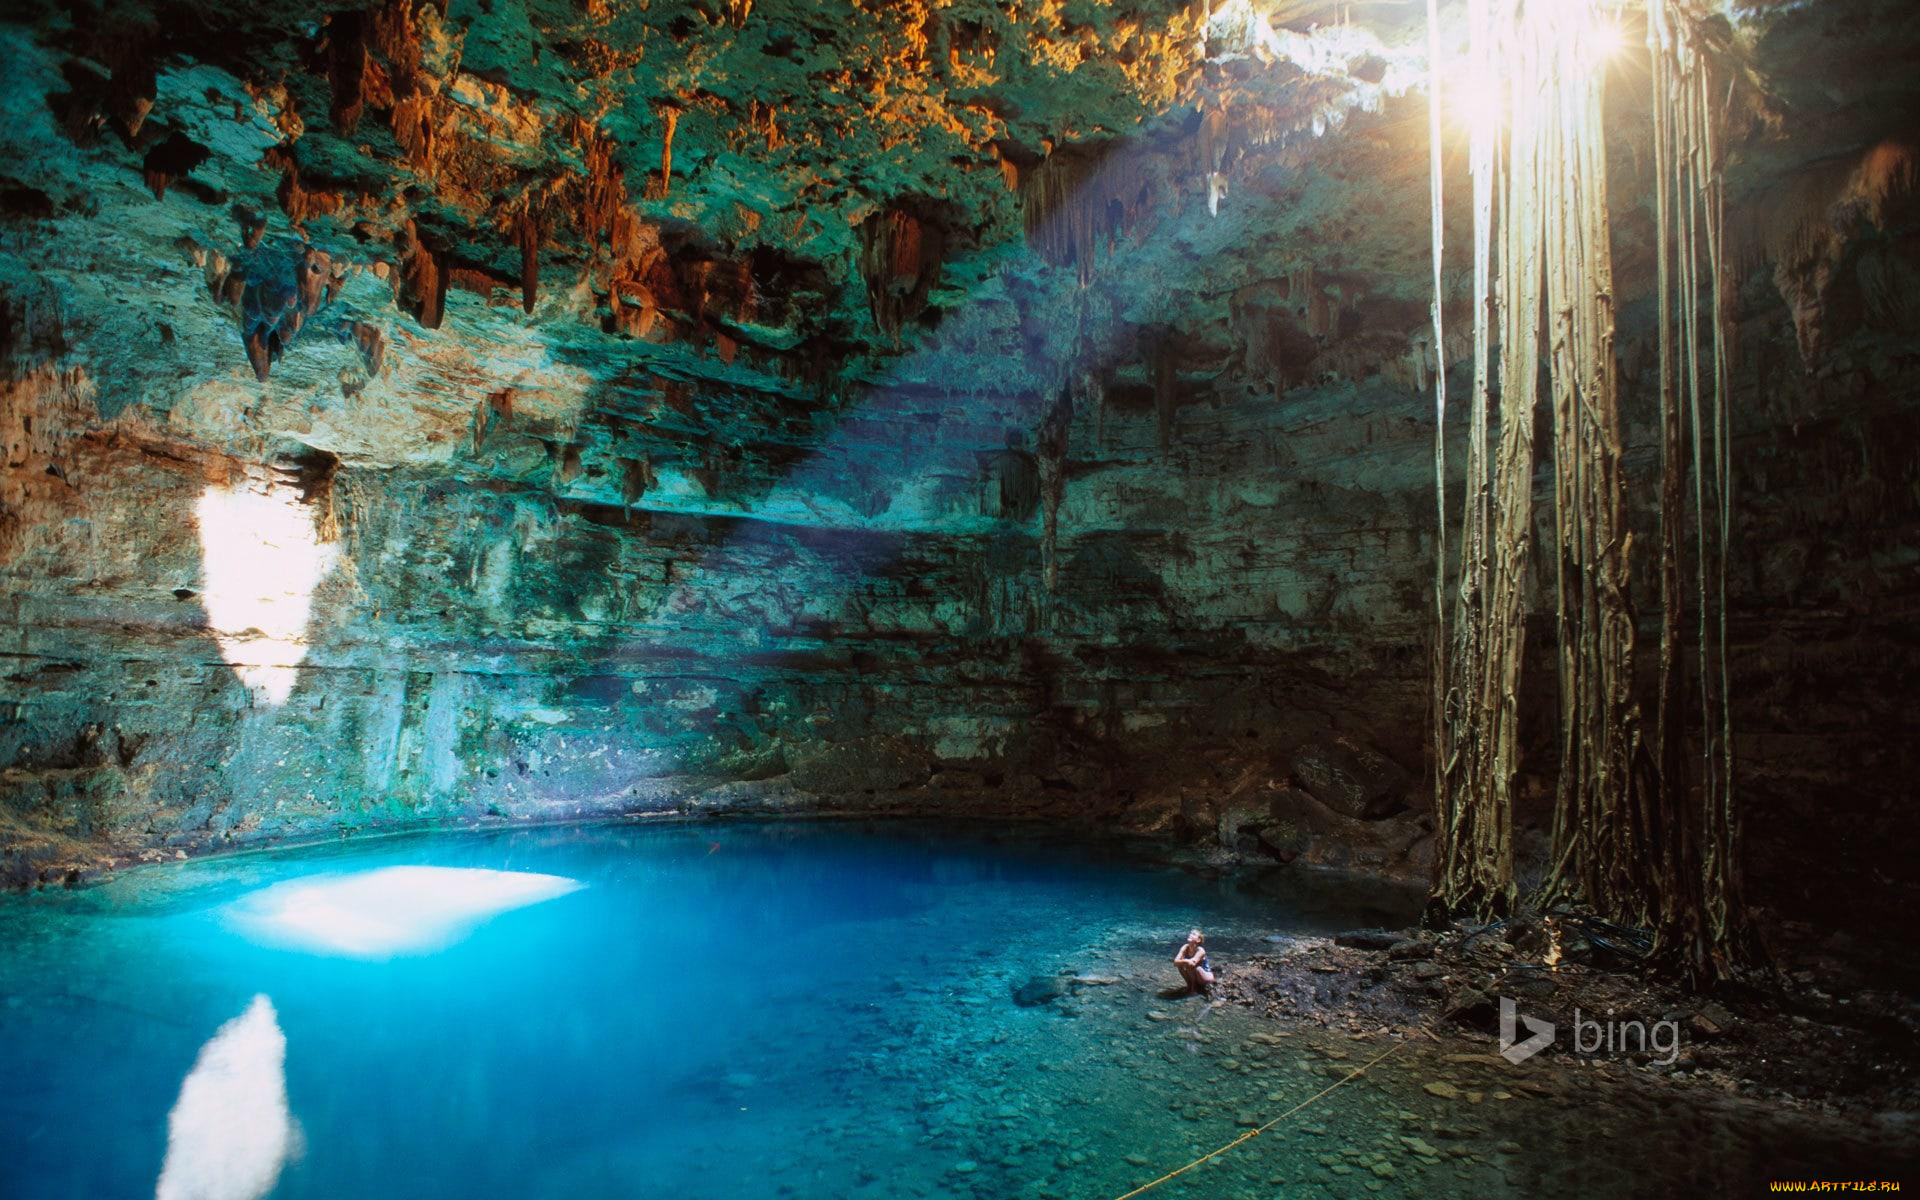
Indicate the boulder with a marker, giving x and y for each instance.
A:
(1369, 939)
(1354, 780)
(1040, 989)
(1298, 828)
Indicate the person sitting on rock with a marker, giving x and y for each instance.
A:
(1194, 966)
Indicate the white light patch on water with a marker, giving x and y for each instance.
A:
(230, 1132)
(388, 911)
(261, 558)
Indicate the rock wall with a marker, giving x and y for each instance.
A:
(505, 411)
(508, 651)
(434, 413)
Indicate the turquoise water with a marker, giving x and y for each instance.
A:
(735, 1011)
(711, 1011)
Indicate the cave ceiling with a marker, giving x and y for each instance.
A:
(666, 252)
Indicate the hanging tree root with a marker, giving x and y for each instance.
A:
(1627, 845)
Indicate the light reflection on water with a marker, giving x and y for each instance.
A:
(386, 911)
(687, 999)
(760, 1010)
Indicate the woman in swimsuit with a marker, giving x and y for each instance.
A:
(1192, 961)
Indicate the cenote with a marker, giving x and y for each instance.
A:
(627, 598)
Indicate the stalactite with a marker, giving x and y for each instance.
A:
(420, 286)
(347, 68)
(1010, 173)
(1210, 147)
(273, 296)
(371, 342)
(900, 258)
(170, 159)
(764, 119)
(417, 128)
(1073, 202)
(528, 230)
(253, 226)
(601, 213)
(296, 200)
(1810, 222)
(314, 474)
(670, 121)
(133, 84)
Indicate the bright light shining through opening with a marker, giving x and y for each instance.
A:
(1475, 97)
(389, 911)
(1608, 40)
(261, 558)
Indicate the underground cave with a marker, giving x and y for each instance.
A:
(1031, 599)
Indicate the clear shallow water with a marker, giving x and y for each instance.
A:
(687, 1019)
(746, 1011)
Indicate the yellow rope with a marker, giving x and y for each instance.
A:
(1256, 1132)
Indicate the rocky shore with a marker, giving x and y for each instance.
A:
(1814, 1036)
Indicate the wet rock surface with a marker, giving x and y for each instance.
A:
(1788, 1040)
